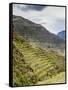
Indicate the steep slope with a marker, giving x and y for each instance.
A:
(31, 65)
(22, 72)
(37, 34)
(61, 35)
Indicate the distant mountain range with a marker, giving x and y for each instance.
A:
(36, 33)
(62, 34)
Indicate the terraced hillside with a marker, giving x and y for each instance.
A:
(33, 65)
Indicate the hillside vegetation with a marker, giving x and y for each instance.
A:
(33, 64)
(59, 78)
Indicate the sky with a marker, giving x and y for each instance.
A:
(50, 17)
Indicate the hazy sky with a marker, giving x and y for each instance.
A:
(51, 17)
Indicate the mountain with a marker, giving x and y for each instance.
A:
(61, 35)
(33, 65)
(37, 34)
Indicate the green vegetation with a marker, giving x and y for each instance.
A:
(59, 78)
(33, 64)
(22, 73)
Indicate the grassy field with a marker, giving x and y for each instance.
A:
(33, 65)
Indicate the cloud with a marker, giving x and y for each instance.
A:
(51, 17)
(29, 7)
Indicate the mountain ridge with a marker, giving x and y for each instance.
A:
(36, 33)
